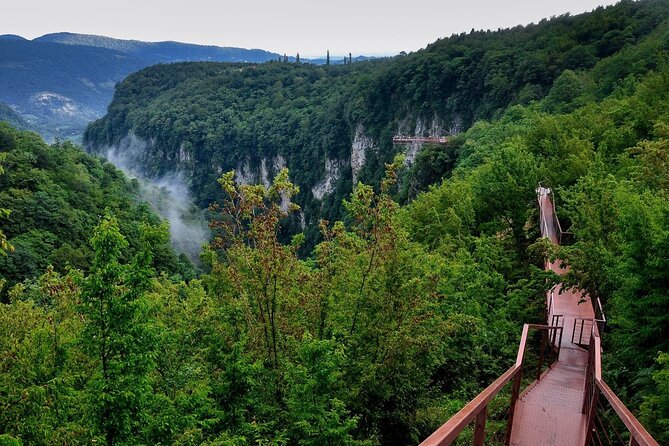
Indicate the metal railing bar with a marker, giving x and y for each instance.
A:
(603, 429)
(521, 346)
(450, 430)
(613, 427)
(637, 431)
(599, 439)
(595, 385)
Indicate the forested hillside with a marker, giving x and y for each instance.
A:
(8, 115)
(55, 196)
(397, 318)
(334, 125)
(60, 82)
(402, 311)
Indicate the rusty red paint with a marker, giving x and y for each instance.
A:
(559, 408)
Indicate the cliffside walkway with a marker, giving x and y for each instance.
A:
(568, 403)
(401, 139)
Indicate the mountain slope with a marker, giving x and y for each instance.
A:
(334, 125)
(162, 52)
(60, 82)
(55, 196)
(11, 37)
(59, 88)
(8, 115)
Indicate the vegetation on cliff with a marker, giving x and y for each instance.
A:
(396, 318)
(203, 119)
(55, 196)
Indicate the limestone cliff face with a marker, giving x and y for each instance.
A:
(184, 172)
(333, 170)
(149, 156)
(193, 170)
(245, 173)
(359, 147)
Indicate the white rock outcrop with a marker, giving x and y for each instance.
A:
(268, 170)
(361, 143)
(332, 174)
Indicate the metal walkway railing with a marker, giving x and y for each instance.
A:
(477, 409)
(604, 419)
(609, 421)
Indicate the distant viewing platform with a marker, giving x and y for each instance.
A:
(400, 139)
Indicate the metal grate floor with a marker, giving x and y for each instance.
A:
(549, 413)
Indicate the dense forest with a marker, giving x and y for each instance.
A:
(56, 195)
(336, 122)
(411, 299)
(59, 82)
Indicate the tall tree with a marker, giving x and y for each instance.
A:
(117, 333)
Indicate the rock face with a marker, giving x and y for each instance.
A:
(184, 153)
(246, 174)
(361, 143)
(174, 176)
(333, 170)
(181, 171)
(146, 152)
(434, 127)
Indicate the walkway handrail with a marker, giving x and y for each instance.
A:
(582, 320)
(594, 386)
(550, 304)
(450, 430)
(478, 407)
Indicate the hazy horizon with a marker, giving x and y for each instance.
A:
(292, 26)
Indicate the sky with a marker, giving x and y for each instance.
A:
(310, 27)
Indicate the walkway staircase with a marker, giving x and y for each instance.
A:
(562, 406)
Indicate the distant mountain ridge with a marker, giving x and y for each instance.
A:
(59, 82)
(167, 51)
(11, 37)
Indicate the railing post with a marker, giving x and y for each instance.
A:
(515, 392)
(592, 412)
(479, 432)
(591, 394)
(541, 354)
(633, 441)
(589, 379)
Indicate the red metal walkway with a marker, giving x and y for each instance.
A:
(563, 405)
(549, 411)
(401, 139)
